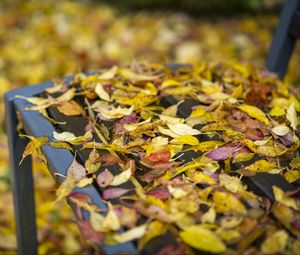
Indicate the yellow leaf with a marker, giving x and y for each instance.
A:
(277, 111)
(270, 151)
(292, 175)
(7, 241)
(207, 146)
(67, 96)
(155, 201)
(123, 177)
(155, 229)
(280, 130)
(200, 177)
(296, 102)
(54, 89)
(283, 199)
(97, 220)
(209, 164)
(33, 146)
(171, 120)
(228, 235)
(177, 192)
(185, 139)
(39, 101)
(61, 145)
(295, 163)
(231, 183)
(84, 182)
(175, 148)
(111, 221)
(238, 91)
(227, 203)
(109, 74)
(182, 129)
(101, 92)
(128, 74)
(149, 89)
(254, 112)
(65, 188)
(134, 126)
(250, 144)
(167, 132)
(171, 110)
(71, 138)
(259, 142)
(275, 243)
(108, 147)
(261, 166)
(191, 165)
(242, 157)
(179, 90)
(115, 112)
(64, 136)
(231, 221)
(170, 83)
(209, 216)
(131, 234)
(221, 96)
(201, 238)
(91, 164)
(159, 141)
(291, 115)
(198, 112)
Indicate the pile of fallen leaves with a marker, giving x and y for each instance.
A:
(169, 149)
(42, 40)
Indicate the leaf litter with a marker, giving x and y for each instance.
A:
(158, 136)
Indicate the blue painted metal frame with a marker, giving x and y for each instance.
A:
(285, 37)
(59, 161)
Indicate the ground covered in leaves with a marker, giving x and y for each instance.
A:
(43, 40)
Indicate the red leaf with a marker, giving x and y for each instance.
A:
(112, 193)
(221, 153)
(128, 119)
(79, 196)
(151, 175)
(88, 233)
(161, 193)
(253, 134)
(171, 249)
(159, 157)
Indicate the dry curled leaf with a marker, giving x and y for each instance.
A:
(34, 146)
(71, 108)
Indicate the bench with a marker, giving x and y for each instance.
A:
(59, 160)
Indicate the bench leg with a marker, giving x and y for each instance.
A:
(22, 187)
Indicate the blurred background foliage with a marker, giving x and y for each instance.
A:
(43, 40)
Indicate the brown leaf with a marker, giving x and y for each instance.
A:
(71, 108)
(89, 234)
(33, 146)
(76, 170)
(104, 178)
(109, 160)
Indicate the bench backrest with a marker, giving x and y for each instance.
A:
(284, 39)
